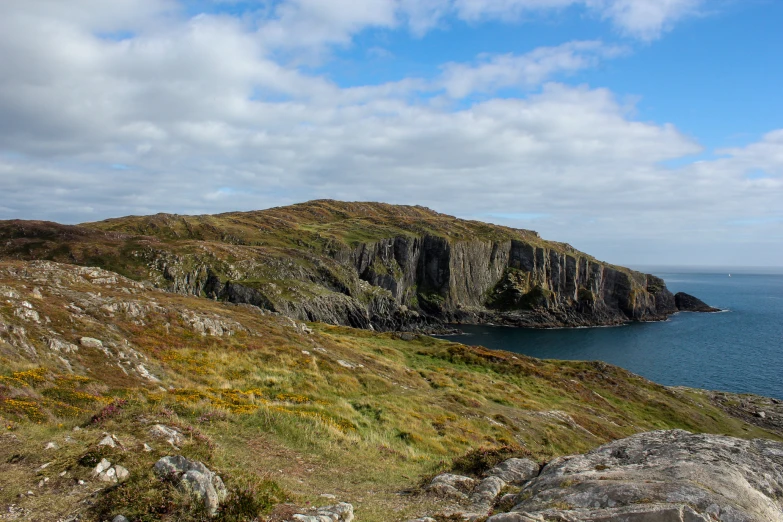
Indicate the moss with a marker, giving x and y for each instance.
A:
(585, 295)
(516, 291)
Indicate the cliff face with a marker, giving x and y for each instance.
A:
(510, 282)
(363, 265)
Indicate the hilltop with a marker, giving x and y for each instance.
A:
(365, 265)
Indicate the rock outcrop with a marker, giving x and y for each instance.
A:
(660, 476)
(663, 476)
(342, 512)
(688, 303)
(481, 495)
(193, 478)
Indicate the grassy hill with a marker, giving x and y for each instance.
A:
(283, 411)
(366, 265)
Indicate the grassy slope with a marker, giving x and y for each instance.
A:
(276, 409)
(320, 225)
(322, 219)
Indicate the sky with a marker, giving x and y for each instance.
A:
(640, 131)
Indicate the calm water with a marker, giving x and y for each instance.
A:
(740, 350)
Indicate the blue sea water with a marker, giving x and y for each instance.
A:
(739, 350)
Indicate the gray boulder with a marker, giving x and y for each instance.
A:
(342, 512)
(193, 478)
(515, 471)
(448, 485)
(486, 492)
(662, 476)
(121, 473)
(170, 435)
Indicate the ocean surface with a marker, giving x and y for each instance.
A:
(739, 350)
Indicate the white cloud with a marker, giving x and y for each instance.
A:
(645, 19)
(312, 23)
(496, 72)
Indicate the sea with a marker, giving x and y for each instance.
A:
(738, 350)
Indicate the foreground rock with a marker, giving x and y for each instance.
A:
(193, 478)
(688, 303)
(664, 476)
(342, 512)
(480, 496)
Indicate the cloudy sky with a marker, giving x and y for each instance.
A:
(641, 131)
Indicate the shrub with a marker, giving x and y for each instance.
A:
(480, 460)
(109, 411)
(246, 503)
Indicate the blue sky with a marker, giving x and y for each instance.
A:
(640, 131)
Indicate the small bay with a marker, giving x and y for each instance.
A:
(739, 350)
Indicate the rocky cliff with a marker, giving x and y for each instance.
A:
(366, 265)
(509, 281)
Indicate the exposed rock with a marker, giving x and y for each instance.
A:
(480, 497)
(342, 512)
(193, 478)
(27, 312)
(350, 366)
(484, 495)
(110, 475)
(146, 374)
(58, 345)
(448, 485)
(136, 310)
(51, 446)
(119, 518)
(170, 435)
(108, 440)
(89, 342)
(516, 471)
(641, 513)
(121, 473)
(762, 411)
(660, 476)
(105, 472)
(206, 325)
(102, 466)
(688, 303)
(506, 502)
